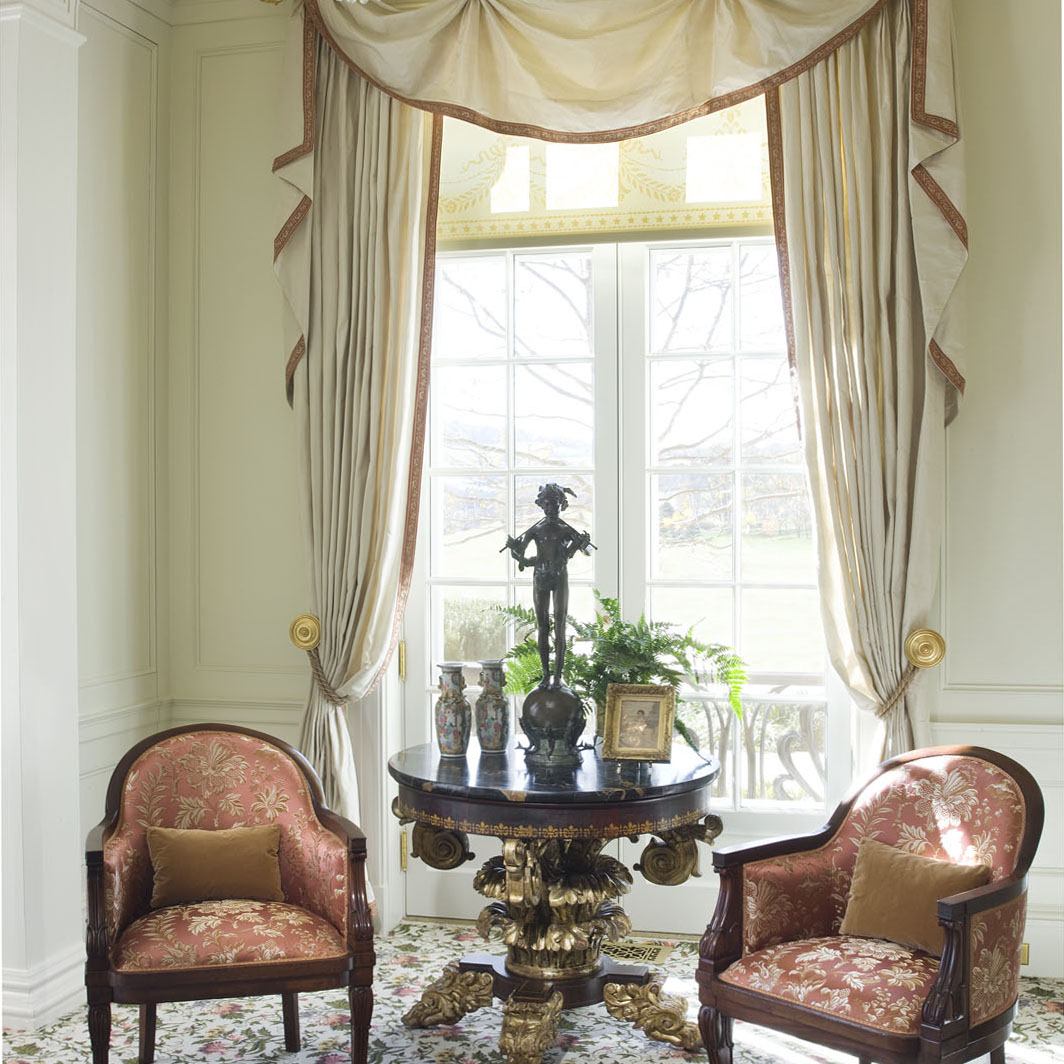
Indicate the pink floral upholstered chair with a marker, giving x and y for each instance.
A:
(213, 776)
(773, 954)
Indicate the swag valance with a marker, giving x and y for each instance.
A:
(868, 210)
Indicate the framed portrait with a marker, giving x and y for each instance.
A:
(638, 722)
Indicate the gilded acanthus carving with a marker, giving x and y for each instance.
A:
(529, 1027)
(661, 1016)
(450, 997)
(551, 904)
(674, 859)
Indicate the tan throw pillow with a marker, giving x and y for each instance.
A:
(894, 895)
(193, 865)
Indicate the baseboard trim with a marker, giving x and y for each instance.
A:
(34, 997)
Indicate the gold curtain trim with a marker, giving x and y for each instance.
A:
(309, 71)
(918, 12)
(937, 194)
(290, 368)
(291, 224)
(946, 366)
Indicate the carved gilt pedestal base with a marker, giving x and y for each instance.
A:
(554, 902)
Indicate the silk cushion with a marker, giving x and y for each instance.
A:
(894, 895)
(867, 981)
(189, 864)
(225, 933)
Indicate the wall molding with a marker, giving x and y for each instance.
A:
(36, 996)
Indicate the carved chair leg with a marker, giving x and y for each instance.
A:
(997, 1056)
(716, 1029)
(290, 1011)
(361, 999)
(147, 1034)
(100, 1032)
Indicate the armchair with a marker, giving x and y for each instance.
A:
(320, 937)
(772, 953)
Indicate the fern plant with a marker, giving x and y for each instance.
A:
(621, 651)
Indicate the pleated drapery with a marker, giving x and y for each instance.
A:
(356, 271)
(864, 317)
(868, 201)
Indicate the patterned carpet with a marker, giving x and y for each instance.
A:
(250, 1031)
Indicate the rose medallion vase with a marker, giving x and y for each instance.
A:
(493, 708)
(453, 713)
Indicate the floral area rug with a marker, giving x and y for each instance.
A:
(250, 1030)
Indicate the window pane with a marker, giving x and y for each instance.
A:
(469, 417)
(468, 626)
(782, 631)
(777, 529)
(552, 305)
(693, 536)
(783, 753)
(470, 308)
(580, 514)
(713, 723)
(691, 300)
(691, 412)
(706, 609)
(769, 418)
(469, 527)
(554, 414)
(760, 299)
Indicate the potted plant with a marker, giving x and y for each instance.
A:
(623, 651)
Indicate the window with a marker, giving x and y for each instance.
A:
(653, 379)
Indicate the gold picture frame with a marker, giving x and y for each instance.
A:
(638, 722)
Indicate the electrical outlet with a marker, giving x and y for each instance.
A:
(1025, 953)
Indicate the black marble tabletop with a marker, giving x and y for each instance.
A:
(505, 777)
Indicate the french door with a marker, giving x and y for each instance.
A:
(652, 380)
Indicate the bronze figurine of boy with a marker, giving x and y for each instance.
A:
(556, 542)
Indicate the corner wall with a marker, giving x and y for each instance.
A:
(1002, 591)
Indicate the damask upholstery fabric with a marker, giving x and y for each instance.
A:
(867, 981)
(215, 779)
(953, 808)
(225, 933)
(994, 950)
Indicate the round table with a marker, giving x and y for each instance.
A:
(553, 895)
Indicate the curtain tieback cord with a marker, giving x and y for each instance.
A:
(924, 649)
(305, 633)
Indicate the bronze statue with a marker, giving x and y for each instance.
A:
(556, 542)
(552, 715)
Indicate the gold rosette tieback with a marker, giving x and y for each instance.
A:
(924, 649)
(305, 633)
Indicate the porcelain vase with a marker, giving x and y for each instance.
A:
(493, 708)
(453, 713)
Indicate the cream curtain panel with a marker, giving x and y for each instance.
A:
(856, 225)
(354, 271)
(867, 197)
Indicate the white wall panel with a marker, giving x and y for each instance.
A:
(122, 321)
(238, 570)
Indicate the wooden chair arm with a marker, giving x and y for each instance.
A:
(988, 896)
(946, 1008)
(748, 852)
(341, 826)
(97, 936)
